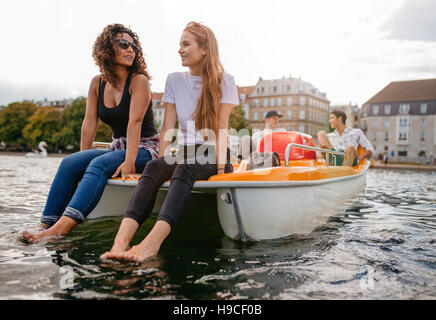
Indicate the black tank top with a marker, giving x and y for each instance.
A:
(118, 117)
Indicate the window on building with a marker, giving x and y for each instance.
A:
(402, 153)
(288, 87)
(301, 128)
(256, 102)
(422, 122)
(422, 135)
(289, 101)
(387, 123)
(402, 136)
(275, 89)
(302, 101)
(375, 109)
(386, 136)
(279, 102)
(265, 102)
(374, 135)
(388, 109)
(256, 116)
(403, 122)
(272, 102)
(374, 124)
(289, 128)
(289, 114)
(263, 115)
(404, 108)
(302, 115)
(423, 107)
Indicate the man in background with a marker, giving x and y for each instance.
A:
(345, 139)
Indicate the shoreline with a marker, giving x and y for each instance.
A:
(49, 155)
(400, 166)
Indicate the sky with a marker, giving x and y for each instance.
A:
(349, 49)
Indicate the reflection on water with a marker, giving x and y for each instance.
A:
(382, 246)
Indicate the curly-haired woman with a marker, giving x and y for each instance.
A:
(120, 97)
(201, 100)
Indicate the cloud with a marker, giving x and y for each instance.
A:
(413, 20)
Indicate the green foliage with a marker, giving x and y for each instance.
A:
(237, 120)
(42, 126)
(70, 131)
(104, 132)
(13, 119)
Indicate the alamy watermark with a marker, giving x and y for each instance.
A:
(367, 280)
(67, 280)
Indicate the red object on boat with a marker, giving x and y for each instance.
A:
(278, 141)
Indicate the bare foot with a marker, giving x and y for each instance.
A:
(36, 237)
(137, 253)
(116, 250)
(60, 228)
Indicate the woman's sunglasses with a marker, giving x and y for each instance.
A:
(124, 44)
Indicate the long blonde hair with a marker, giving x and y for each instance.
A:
(206, 115)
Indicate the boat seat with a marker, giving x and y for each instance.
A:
(278, 141)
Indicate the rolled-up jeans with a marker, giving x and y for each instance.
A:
(80, 181)
(182, 176)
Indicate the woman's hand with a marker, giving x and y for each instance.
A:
(127, 169)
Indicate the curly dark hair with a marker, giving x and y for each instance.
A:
(103, 53)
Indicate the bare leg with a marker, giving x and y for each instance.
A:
(125, 234)
(149, 247)
(60, 228)
(350, 155)
(324, 141)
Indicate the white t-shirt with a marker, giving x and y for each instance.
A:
(184, 90)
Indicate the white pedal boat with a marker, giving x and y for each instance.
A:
(263, 204)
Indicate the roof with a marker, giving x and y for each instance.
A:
(399, 91)
(157, 95)
(247, 90)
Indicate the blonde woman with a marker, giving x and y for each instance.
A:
(200, 100)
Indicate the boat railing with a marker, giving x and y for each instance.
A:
(300, 146)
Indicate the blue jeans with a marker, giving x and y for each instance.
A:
(92, 168)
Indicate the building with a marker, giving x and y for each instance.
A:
(58, 104)
(158, 109)
(303, 107)
(401, 120)
(244, 93)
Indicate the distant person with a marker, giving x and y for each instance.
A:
(119, 96)
(430, 158)
(345, 139)
(385, 158)
(272, 119)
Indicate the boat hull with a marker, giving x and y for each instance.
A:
(294, 209)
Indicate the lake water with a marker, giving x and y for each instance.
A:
(382, 246)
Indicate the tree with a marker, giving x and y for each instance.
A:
(237, 119)
(42, 126)
(72, 117)
(13, 119)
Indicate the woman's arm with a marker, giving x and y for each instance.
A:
(90, 122)
(221, 154)
(169, 123)
(140, 99)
